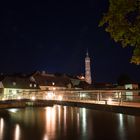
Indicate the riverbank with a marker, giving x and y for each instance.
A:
(42, 103)
(24, 103)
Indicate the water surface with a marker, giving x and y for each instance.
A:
(67, 123)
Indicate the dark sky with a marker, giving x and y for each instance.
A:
(54, 36)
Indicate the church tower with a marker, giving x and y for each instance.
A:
(87, 69)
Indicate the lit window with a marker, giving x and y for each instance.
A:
(34, 85)
(14, 83)
(14, 92)
(30, 85)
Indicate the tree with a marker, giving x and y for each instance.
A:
(122, 21)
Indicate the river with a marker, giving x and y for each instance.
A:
(67, 123)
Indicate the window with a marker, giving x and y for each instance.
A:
(14, 83)
(14, 92)
(34, 85)
(30, 85)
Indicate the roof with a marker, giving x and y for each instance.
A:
(50, 79)
(19, 82)
(84, 85)
(60, 80)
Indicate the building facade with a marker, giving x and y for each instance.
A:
(16, 87)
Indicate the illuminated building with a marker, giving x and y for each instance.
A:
(17, 87)
(52, 81)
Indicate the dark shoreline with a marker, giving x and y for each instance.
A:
(102, 107)
(43, 103)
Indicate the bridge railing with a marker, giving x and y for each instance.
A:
(117, 97)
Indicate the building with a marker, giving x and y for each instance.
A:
(18, 87)
(129, 94)
(51, 81)
(88, 78)
(131, 86)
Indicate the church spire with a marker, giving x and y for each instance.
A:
(87, 69)
(87, 53)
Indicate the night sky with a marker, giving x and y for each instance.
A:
(54, 36)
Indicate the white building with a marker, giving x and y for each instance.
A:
(16, 87)
(130, 94)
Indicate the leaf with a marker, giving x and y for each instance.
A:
(122, 21)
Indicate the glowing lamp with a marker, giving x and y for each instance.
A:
(109, 101)
(33, 98)
(60, 98)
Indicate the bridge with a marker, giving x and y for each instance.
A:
(116, 97)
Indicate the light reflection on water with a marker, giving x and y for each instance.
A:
(45, 137)
(84, 121)
(78, 121)
(17, 132)
(50, 120)
(14, 110)
(121, 126)
(65, 119)
(66, 123)
(1, 128)
(125, 122)
(121, 121)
